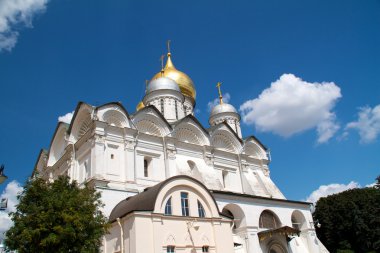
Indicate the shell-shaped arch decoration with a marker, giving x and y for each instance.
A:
(254, 150)
(188, 135)
(115, 118)
(224, 142)
(149, 127)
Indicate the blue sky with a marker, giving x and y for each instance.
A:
(323, 58)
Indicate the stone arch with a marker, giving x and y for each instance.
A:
(114, 114)
(149, 127)
(115, 118)
(186, 134)
(298, 220)
(58, 144)
(269, 220)
(237, 213)
(149, 120)
(82, 121)
(225, 141)
(85, 125)
(191, 131)
(251, 148)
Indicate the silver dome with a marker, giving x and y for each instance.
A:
(162, 83)
(221, 108)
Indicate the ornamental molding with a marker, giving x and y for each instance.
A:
(130, 145)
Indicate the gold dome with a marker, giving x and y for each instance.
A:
(140, 106)
(184, 81)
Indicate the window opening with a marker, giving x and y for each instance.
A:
(146, 163)
(112, 156)
(224, 175)
(191, 164)
(170, 249)
(201, 211)
(176, 109)
(162, 106)
(205, 249)
(168, 207)
(185, 204)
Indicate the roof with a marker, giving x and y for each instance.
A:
(285, 230)
(246, 139)
(259, 197)
(146, 200)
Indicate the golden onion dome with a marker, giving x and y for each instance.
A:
(184, 81)
(140, 106)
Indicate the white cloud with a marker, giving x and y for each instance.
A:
(10, 192)
(325, 190)
(14, 13)
(291, 105)
(213, 103)
(370, 185)
(368, 124)
(66, 118)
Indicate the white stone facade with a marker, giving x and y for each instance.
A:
(121, 154)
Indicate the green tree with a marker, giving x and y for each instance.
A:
(350, 220)
(57, 217)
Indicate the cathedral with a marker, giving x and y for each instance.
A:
(170, 184)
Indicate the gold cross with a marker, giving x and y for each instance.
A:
(162, 62)
(168, 45)
(220, 92)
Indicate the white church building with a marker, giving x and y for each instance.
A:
(170, 184)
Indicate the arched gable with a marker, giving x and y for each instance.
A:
(184, 183)
(58, 143)
(254, 149)
(223, 137)
(190, 130)
(149, 120)
(81, 121)
(41, 162)
(114, 114)
(153, 199)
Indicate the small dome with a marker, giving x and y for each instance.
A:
(222, 108)
(162, 83)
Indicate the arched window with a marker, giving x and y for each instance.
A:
(146, 164)
(205, 249)
(191, 164)
(201, 211)
(185, 204)
(176, 109)
(168, 207)
(170, 249)
(162, 106)
(224, 178)
(268, 220)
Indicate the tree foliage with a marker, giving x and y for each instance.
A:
(350, 220)
(57, 217)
